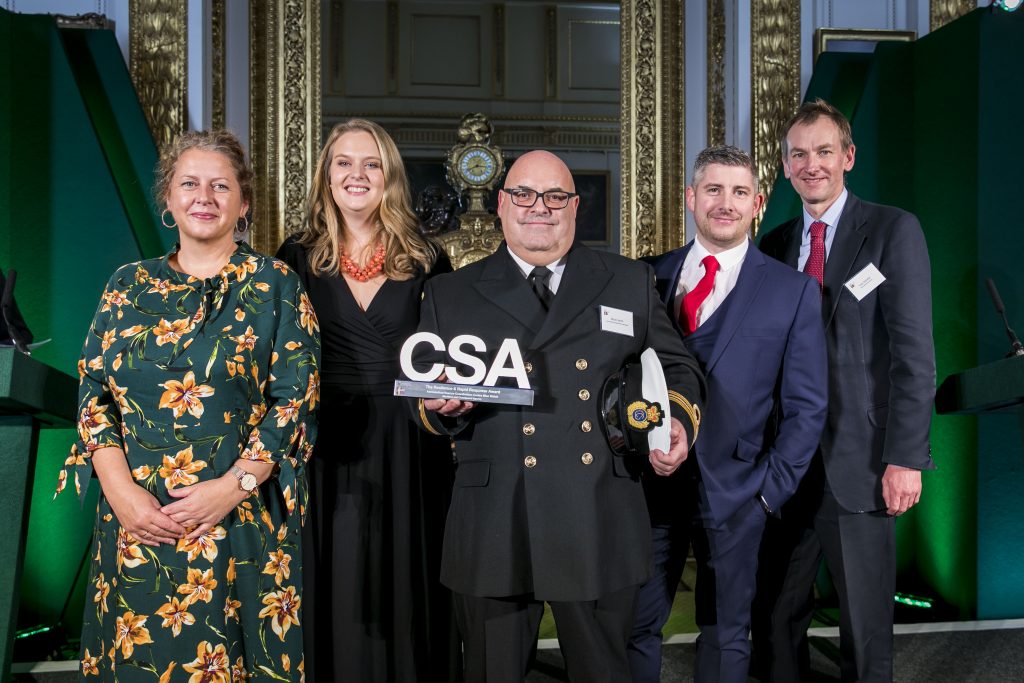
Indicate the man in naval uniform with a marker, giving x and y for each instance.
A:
(543, 509)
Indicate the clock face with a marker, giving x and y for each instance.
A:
(477, 166)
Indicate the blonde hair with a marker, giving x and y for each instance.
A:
(405, 249)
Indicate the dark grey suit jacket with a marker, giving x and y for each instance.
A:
(880, 350)
(573, 526)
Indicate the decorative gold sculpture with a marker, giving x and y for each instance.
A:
(471, 242)
(473, 166)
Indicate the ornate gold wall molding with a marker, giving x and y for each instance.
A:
(775, 80)
(653, 155)
(941, 12)
(218, 48)
(158, 62)
(284, 106)
(716, 72)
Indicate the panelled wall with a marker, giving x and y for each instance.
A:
(630, 90)
(546, 75)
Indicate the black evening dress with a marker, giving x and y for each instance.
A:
(379, 493)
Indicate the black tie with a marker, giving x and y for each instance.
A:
(539, 278)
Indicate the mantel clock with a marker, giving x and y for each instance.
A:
(474, 167)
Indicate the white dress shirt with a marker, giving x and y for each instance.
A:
(556, 268)
(729, 263)
(831, 219)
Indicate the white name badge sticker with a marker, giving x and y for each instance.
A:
(864, 282)
(617, 320)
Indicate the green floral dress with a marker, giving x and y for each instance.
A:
(187, 375)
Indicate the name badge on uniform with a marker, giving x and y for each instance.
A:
(616, 320)
(864, 282)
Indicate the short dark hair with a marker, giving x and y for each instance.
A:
(809, 112)
(726, 155)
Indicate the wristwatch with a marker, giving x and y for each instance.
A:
(246, 480)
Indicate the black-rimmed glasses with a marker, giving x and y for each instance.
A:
(525, 197)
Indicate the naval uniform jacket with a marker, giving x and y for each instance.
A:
(881, 357)
(541, 505)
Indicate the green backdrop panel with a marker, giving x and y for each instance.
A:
(79, 165)
(1000, 245)
(935, 124)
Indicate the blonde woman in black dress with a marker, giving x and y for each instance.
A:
(376, 610)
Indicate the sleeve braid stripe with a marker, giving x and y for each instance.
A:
(690, 409)
(426, 422)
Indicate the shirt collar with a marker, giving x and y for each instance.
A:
(831, 215)
(727, 259)
(557, 267)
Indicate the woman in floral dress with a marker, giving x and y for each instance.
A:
(199, 385)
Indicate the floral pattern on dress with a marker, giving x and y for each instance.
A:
(187, 375)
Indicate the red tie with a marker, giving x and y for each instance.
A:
(815, 266)
(696, 296)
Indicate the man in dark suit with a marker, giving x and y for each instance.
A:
(543, 509)
(755, 327)
(876, 305)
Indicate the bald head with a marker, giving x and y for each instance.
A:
(538, 234)
(539, 162)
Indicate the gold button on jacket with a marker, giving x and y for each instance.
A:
(587, 458)
(581, 364)
(529, 366)
(530, 461)
(584, 395)
(529, 429)
(585, 426)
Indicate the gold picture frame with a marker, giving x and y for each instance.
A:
(823, 37)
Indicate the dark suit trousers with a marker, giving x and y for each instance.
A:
(726, 580)
(499, 635)
(675, 521)
(670, 545)
(860, 553)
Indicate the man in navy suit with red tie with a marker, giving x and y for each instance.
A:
(755, 327)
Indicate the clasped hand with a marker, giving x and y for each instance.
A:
(200, 506)
(664, 463)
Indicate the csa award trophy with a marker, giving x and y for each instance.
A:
(478, 386)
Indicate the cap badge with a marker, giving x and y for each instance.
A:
(644, 416)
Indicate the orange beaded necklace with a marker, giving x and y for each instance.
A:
(371, 269)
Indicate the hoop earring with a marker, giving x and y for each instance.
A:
(245, 228)
(163, 219)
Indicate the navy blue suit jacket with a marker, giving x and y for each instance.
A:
(764, 356)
